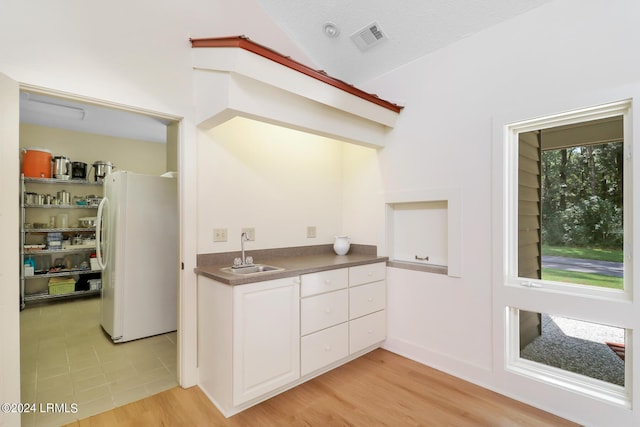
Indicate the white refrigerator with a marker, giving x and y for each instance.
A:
(137, 249)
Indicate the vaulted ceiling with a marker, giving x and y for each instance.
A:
(410, 29)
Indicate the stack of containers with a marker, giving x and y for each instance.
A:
(54, 240)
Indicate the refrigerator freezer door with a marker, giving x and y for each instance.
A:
(143, 255)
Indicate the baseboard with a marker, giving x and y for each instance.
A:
(473, 373)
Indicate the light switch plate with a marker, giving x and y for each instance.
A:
(311, 232)
(219, 234)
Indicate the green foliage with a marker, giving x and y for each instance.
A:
(582, 278)
(582, 196)
(614, 255)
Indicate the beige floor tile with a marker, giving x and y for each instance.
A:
(95, 407)
(28, 420)
(131, 395)
(55, 395)
(160, 385)
(121, 374)
(82, 364)
(54, 419)
(122, 385)
(46, 372)
(87, 396)
(61, 383)
(155, 374)
(81, 385)
(147, 364)
(67, 358)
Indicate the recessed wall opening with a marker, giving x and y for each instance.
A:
(423, 231)
(420, 232)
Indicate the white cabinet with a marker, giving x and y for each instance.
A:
(248, 339)
(337, 322)
(367, 273)
(367, 331)
(367, 304)
(367, 299)
(322, 311)
(258, 339)
(324, 347)
(323, 281)
(266, 346)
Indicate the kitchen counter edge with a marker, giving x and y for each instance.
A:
(291, 266)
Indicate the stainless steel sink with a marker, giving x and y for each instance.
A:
(252, 269)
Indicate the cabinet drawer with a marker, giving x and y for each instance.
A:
(323, 281)
(323, 311)
(367, 273)
(366, 331)
(366, 299)
(324, 347)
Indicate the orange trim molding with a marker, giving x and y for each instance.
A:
(243, 42)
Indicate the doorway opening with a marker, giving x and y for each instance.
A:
(65, 354)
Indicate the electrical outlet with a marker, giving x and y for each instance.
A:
(311, 232)
(219, 234)
(251, 233)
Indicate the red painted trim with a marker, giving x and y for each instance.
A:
(243, 42)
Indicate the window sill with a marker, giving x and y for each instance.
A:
(406, 265)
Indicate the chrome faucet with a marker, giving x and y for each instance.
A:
(244, 237)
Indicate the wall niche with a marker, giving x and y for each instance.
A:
(423, 231)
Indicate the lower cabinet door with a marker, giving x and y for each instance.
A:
(266, 337)
(324, 347)
(366, 331)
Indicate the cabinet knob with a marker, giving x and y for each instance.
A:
(327, 348)
(370, 299)
(327, 282)
(370, 331)
(327, 310)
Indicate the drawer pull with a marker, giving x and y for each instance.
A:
(370, 299)
(327, 282)
(327, 310)
(327, 348)
(370, 331)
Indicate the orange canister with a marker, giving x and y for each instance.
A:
(36, 162)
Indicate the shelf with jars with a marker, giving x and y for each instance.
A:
(58, 238)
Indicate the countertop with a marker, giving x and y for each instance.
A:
(292, 266)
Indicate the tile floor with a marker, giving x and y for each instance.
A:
(67, 358)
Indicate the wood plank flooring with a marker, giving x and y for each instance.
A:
(378, 389)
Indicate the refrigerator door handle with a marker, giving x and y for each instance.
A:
(102, 261)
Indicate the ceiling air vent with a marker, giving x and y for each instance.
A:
(369, 36)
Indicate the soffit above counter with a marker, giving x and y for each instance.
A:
(235, 76)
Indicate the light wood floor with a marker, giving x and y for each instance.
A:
(378, 389)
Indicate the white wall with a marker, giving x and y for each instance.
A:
(561, 56)
(126, 154)
(279, 181)
(136, 54)
(564, 55)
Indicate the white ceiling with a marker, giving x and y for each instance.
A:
(54, 112)
(414, 28)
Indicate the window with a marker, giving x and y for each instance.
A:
(567, 219)
(571, 203)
